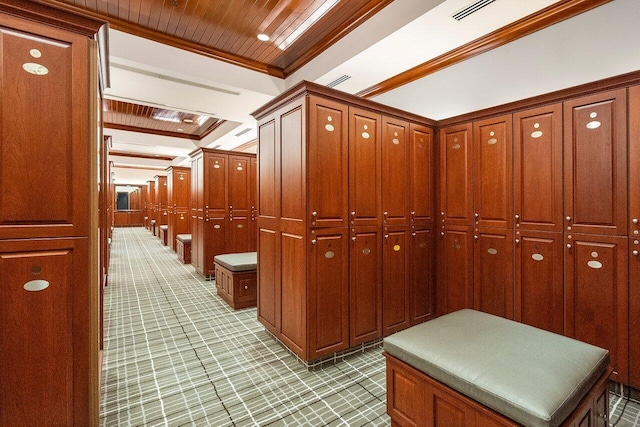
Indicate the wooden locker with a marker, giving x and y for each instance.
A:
(253, 201)
(365, 185)
(365, 284)
(215, 184)
(239, 187)
(634, 236)
(539, 286)
(292, 318)
(422, 286)
(161, 201)
(493, 272)
(396, 248)
(493, 173)
(395, 172)
(597, 295)
(456, 191)
(327, 165)
(421, 170)
(537, 158)
(455, 273)
(595, 163)
(328, 296)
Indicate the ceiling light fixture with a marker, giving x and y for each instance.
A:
(263, 37)
(187, 120)
(312, 19)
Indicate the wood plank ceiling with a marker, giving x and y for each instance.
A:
(298, 30)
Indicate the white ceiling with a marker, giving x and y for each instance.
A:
(597, 44)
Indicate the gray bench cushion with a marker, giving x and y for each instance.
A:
(534, 377)
(244, 261)
(164, 227)
(184, 238)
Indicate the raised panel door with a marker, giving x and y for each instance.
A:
(268, 301)
(44, 129)
(395, 172)
(327, 163)
(253, 200)
(537, 154)
(45, 324)
(634, 314)
(406, 394)
(395, 279)
(539, 288)
(493, 274)
(493, 173)
(455, 272)
(215, 238)
(215, 181)
(634, 162)
(267, 172)
(364, 167)
(456, 191)
(239, 185)
(421, 174)
(365, 284)
(181, 184)
(293, 295)
(595, 163)
(240, 238)
(422, 289)
(290, 177)
(597, 295)
(182, 225)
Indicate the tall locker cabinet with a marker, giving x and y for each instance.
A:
(161, 201)
(178, 193)
(49, 267)
(595, 236)
(340, 216)
(634, 236)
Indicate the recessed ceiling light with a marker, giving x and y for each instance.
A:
(263, 37)
(180, 130)
(187, 120)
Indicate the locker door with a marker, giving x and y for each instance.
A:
(239, 204)
(493, 272)
(422, 290)
(539, 289)
(215, 181)
(421, 175)
(327, 163)
(328, 293)
(395, 172)
(597, 295)
(456, 192)
(181, 185)
(365, 285)
(595, 169)
(455, 272)
(492, 175)
(395, 279)
(215, 238)
(537, 152)
(634, 233)
(634, 315)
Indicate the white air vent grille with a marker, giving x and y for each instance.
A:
(339, 80)
(242, 132)
(472, 8)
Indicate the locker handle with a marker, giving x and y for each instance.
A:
(313, 242)
(517, 216)
(569, 245)
(353, 238)
(517, 241)
(442, 233)
(568, 218)
(635, 221)
(635, 253)
(475, 237)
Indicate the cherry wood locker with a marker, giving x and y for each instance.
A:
(455, 269)
(365, 284)
(493, 272)
(493, 173)
(595, 163)
(49, 239)
(537, 158)
(456, 190)
(395, 172)
(162, 207)
(396, 248)
(634, 236)
(422, 287)
(240, 208)
(327, 167)
(539, 286)
(178, 193)
(328, 296)
(150, 211)
(365, 167)
(197, 212)
(421, 171)
(253, 201)
(597, 295)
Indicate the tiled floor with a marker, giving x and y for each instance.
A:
(176, 355)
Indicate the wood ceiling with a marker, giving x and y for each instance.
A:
(158, 121)
(228, 29)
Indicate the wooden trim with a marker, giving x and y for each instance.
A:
(150, 168)
(611, 83)
(246, 146)
(190, 136)
(528, 25)
(140, 156)
(200, 150)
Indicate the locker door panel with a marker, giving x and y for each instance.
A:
(395, 173)
(456, 192)
(395, 280)
(492, 175)
(493, 272)
(215, 239)
(421, 174)
(266, 275)
(239, 185)
(596, 164)
(239, 235)
(422, 284)
(365, 285)
(215, 181)
(539, 295)
(537, 156)
(455, 276)
(634, 234)
(596, 295)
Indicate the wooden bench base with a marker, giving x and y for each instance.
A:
(238, 288)
(416, 399)
(184, 251)
(162, 233)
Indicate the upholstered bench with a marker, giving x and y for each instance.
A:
(153, 226)
(470, 368)
(164, 232)
(236, 278)
(183, 247)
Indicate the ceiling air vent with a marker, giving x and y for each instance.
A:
(339, 80)
(242, 132)
(472, 8)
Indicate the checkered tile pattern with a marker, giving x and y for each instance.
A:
(176, 355)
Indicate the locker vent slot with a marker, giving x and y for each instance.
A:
(339, 80)
(472, 8)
